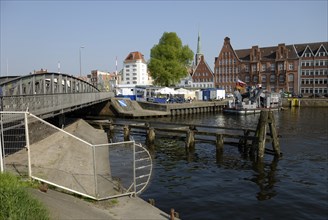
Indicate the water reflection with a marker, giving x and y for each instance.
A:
(265, 178)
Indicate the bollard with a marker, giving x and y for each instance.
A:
(173, 214)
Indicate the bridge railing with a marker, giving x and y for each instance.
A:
(42, 104)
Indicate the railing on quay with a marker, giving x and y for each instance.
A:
(99, 170)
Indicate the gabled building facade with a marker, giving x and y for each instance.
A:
(202, 75)
(313, 68)
(226, 67)
(287, 68)
(135, 70)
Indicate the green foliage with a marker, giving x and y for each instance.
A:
(169, 60)
(16, 202)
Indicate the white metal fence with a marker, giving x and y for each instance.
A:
(63, 158)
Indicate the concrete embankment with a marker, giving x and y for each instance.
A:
(66, 161)
(64, 206)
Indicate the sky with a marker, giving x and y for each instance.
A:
(41, 34)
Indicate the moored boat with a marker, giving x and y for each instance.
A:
(253, 101)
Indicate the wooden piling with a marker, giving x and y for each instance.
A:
(274, 135)
(126, 132)
(219, 143)
(262, 133)
(190, 139)
(150, 139)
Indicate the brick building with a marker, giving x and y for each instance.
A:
(202, 75)
(278, 68)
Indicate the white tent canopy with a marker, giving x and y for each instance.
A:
(182, 91)
(166, 90)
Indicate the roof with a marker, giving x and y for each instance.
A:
(313, 46)
(269, 53)
(133, 56)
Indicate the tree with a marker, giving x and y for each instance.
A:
(169, 60)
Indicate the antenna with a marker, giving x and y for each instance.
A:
(58, 66)
(116, 66)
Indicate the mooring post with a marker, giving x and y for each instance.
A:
(190, 139)
(150, 139)
(219, 143)
(274, 135)
(262, 134)
(110, 132)
(126, 131)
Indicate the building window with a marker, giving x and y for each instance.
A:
(291, 66)
(281, 78)
(263, 79)
(254, 67)
(272, 78)
(272, 67)
(256, 79)
(246, 68)
(264, 67)
(247, 79)
(280, 66)
(291, 77)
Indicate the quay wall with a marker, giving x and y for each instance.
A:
(305, 102)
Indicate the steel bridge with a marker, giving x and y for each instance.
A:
(48, 94)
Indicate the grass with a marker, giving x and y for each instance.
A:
(16, 202)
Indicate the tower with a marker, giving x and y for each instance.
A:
(198, 53)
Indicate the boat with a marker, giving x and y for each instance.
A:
(253, 101)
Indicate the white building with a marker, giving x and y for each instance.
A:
(135, 70)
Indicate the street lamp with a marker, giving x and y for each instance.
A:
(80, 60)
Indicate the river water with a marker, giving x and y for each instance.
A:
(200, 187)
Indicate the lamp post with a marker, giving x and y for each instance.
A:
(80, 60)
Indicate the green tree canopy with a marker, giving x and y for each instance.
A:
(169, 60)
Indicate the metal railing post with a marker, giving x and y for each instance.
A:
(95, 171)
(1, 147)
(134, 169)
(27, 139)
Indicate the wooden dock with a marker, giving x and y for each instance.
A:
(250, 142)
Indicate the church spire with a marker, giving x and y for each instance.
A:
(198, 44)
(199, 53)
